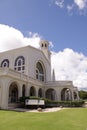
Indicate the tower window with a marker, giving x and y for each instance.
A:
(42, 45)
(45, 45)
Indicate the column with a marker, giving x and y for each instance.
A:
(27, 90)
(72, 95)
(36, 91)
(20, 90)
(4, 95)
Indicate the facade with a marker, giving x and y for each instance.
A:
(26, 71)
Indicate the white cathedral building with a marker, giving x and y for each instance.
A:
(26, 71)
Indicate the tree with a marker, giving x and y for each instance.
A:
(83, 94)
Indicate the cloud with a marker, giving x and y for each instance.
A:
(70, 7)
(12, 38)
(73, 6)
(59, 3)
(81, 4)
(70, 65)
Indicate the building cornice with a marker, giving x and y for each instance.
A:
(22, 48)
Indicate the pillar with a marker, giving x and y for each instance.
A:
(4, 95)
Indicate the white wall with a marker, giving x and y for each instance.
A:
(32, 56)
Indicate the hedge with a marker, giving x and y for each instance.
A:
(64, 103)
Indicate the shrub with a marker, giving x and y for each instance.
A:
(22, 99)
(50, 103)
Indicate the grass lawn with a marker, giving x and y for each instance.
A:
(66, 119)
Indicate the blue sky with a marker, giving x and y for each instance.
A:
(65, 29)
(62, 22)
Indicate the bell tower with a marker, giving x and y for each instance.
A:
(44, 46)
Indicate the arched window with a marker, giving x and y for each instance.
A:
(45, 45)
(39, 71)
(75, 95)
(5, 63)
(32, 91)
(66, 94)
(20, 64)
(42, 45)
(50, 94)
(40, 92)
(13, 93)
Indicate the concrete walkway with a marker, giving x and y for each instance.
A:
(54, 109)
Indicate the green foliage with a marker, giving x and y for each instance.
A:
(22, 99)
(83, 94)
(33, 97)
(65, 119)
(64, 103)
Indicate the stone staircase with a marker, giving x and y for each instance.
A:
(13, 105)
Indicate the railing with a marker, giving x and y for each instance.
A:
(18, 75)
(59, 83)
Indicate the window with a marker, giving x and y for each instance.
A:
(42, 45)
(20, 64)
(45, 45)
(39, 72)
(5, 63)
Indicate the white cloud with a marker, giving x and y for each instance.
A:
(70, 7)
(59, 3)
(74, 6)
(51, 44)
(81, 4)
(12, 38)
(70, 65)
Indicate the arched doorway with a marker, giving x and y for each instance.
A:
(32, 91)
(50, 94)
(40, 92)
(13, 93)
(66, 94)
(75, 95)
